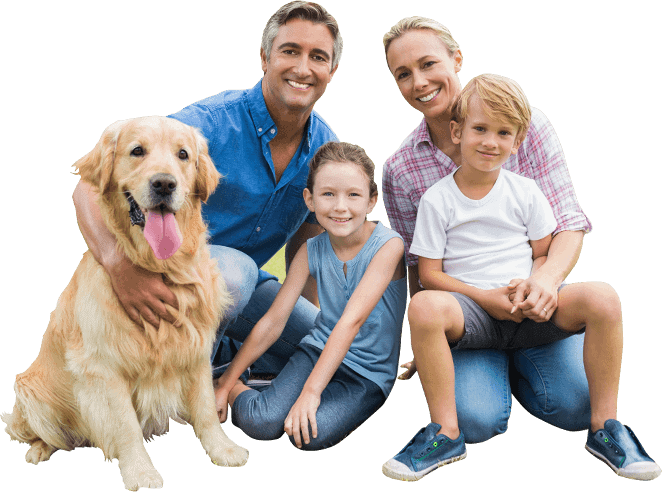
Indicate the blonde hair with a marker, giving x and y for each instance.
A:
(502, 98)
(417, 22)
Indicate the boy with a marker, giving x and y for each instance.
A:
(479, 232)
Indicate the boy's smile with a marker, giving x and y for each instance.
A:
(486, 142)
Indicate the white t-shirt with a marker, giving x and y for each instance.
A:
(485, 242)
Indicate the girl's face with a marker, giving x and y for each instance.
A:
(424, 71)
(340, 198)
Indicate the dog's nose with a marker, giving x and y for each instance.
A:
(163, 184)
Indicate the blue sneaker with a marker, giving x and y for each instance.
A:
(619, 448)
(427, 451)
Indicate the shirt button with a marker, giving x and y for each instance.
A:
(273, 131)
(259, 130)
(257, 229)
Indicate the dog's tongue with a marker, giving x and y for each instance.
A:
(162, 233)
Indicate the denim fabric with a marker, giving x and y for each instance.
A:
(549, 381)
(250, 303)
(252, 211)
(346, 402)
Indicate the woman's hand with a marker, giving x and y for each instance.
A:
(411, 370)
(536, 297)
(302, 413)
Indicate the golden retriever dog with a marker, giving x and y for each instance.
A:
(100, 379)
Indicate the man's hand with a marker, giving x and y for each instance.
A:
(496, 302)
(536, 297)
(141, 292)
(302, 413)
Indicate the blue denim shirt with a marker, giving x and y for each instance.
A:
(250, 211)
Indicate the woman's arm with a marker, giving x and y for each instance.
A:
(369, 291)
(267, 330)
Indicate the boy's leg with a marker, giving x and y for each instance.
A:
(435, 317)
(595, 307)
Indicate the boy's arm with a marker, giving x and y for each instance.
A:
(495, 302)
(369, 291)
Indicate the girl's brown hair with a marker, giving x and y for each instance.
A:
(342, 152)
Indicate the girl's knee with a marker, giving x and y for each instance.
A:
(255, 418)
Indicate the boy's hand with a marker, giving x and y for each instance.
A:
(536, 297)
(411, 370)
(496, 303)
(302, 413)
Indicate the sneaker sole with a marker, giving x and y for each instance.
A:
(643, 474)
(414, 476)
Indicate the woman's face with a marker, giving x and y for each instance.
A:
(424, 71)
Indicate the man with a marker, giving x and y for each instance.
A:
(260, 140)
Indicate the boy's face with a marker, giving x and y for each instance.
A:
(485, 143)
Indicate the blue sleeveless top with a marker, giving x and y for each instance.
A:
(375, 350)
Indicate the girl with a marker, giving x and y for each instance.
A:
(344, 369)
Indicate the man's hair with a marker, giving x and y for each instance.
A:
(417, 22)
(502, 99)
(342, 152)
(307, 11)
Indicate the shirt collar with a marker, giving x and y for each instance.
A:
(262, 119)
(422, 134)
(258, 108)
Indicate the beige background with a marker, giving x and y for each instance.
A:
(71, 68)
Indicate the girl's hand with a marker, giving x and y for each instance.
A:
(411, 370)
(221, 401)
(302, 413)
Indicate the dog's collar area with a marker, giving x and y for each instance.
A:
(135, 213)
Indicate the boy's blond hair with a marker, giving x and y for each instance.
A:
(417, 22)
(502, 98)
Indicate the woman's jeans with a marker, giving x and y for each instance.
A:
(549, 381)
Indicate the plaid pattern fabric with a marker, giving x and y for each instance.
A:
(418, 164)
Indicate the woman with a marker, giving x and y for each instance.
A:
(549, 381)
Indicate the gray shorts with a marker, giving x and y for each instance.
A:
(483, 331)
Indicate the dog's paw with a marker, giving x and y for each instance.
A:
(39, 451)
(232, 456)
(148, 478)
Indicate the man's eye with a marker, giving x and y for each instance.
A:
(137, 151)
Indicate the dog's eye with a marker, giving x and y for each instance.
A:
(183, 155)
(137, 151)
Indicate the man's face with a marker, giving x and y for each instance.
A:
(299, 68)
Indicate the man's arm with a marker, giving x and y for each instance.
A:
(305, 231)
(141, 292)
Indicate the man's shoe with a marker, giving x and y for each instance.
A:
(426, 452)
(619, 448)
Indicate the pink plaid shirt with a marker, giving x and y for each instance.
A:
(418, 164)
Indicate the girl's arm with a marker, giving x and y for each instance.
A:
(369, 291)
(267, 330)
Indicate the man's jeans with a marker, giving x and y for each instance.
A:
(549, 381)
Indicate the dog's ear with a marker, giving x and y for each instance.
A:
(96, 167)
(207, 177)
